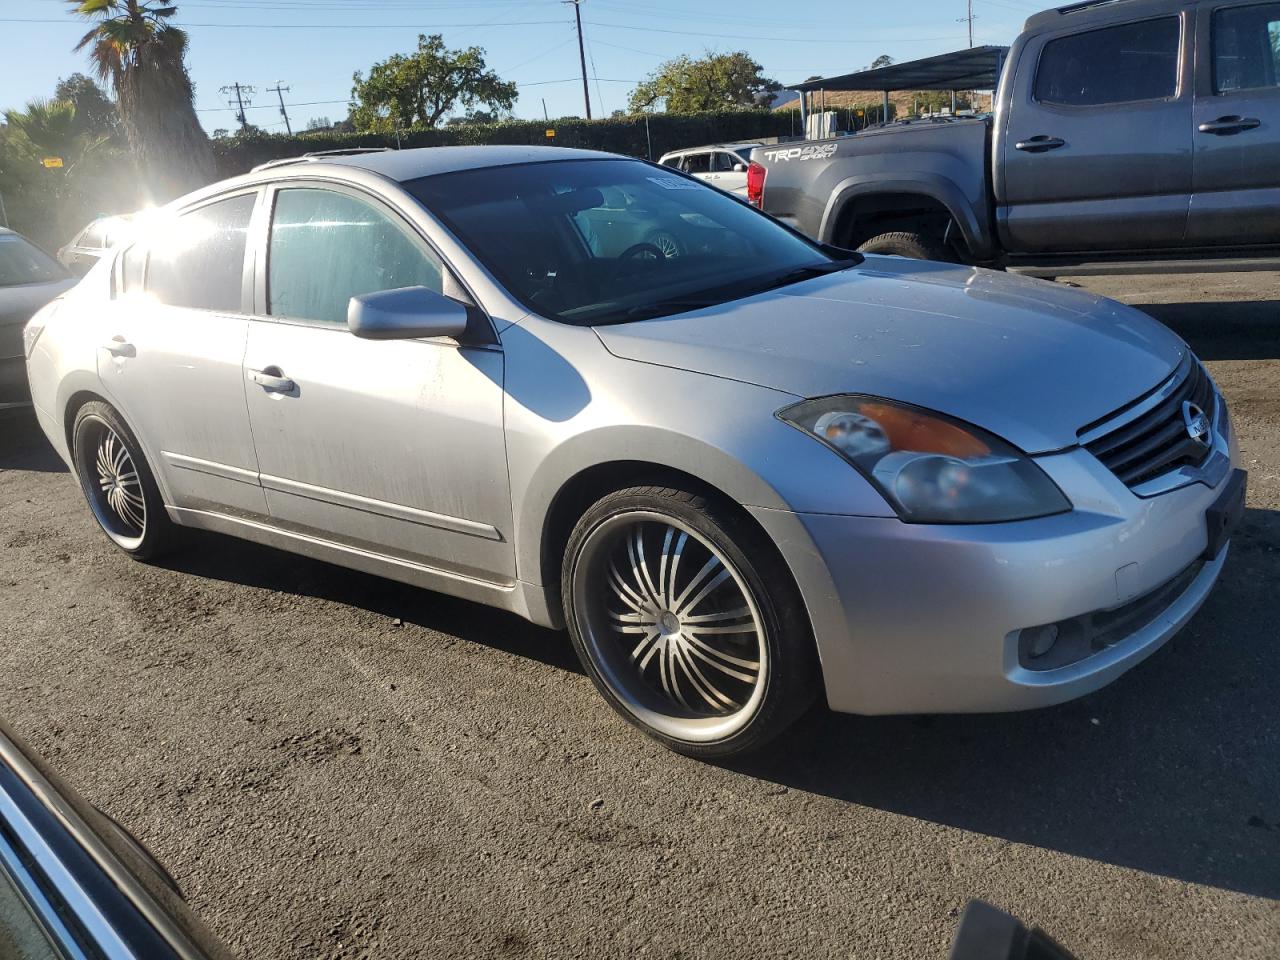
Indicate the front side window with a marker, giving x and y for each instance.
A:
(1133, 61)
(606, 241)
(1246, 47)
(723, 162)
(93, 236)
(23, 262)
(197, 259)
(132, 262)
(327, 247)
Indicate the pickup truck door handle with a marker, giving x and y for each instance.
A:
(272, 380)
(1225, 126)
(118, 347)
(1040, 144)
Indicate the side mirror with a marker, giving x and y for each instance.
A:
(405, 314)
(739, 168)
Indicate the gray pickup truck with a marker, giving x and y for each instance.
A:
(1128, 135)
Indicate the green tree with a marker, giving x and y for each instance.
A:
(417, 90)
(95, 113)
(715, 82)
(884, 60)
(133, 46)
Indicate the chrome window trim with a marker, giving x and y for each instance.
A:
(128, 885)
(42, 909)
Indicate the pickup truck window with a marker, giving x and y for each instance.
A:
(1246, 47)
(1133, 61)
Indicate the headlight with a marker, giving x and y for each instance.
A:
(932, 469)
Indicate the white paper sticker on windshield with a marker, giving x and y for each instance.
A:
(674, 183)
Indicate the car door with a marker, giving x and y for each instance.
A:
(396, 446)
(170, 345)
(728, 172)
(1097, 150)
(1236, 126)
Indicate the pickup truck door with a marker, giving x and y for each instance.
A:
(1236, 125)
(1097, 150)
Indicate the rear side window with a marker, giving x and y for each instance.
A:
(697, 163)
(197, 261)
(1246, 47)
(672, 162)
(327, 247)
(132, 262)
(1134, 61)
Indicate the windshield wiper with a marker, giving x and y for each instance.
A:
(676, 305)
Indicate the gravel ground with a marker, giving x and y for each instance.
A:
(333, 765)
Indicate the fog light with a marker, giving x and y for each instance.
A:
(1040, 640)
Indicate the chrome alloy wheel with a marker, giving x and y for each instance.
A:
(667, 243)
(111, 483)
(671, 626)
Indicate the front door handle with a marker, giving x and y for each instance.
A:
(118, 347)
(1040, 144)
(272, 380)
(1225, 126)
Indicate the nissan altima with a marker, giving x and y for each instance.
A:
(743, 469)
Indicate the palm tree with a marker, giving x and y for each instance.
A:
(132, 46)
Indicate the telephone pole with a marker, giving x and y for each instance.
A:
(582, 56)
(969, 20)
(280, 91)
(242, 91)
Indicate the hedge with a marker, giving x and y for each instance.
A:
(626, 135)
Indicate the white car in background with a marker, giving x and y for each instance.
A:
(722, 165)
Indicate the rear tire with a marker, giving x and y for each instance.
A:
(118, 484)
(905, 243)
(687, 621)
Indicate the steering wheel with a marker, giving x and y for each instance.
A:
(636, 251)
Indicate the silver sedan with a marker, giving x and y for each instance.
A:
(744, 470)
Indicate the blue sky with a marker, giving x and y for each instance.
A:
(313, 46)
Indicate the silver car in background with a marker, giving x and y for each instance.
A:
(742, 476)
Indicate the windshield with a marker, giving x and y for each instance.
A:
(605, 241)
(23, 262)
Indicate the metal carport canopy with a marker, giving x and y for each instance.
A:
(977, 68)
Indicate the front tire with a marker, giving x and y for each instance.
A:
(665, 597)
(118, 484)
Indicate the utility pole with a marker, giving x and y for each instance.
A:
(582, 56)
(242, 91)
(280, 92)
(969, 20)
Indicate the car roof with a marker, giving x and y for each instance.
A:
(746, 144)
(402, 165)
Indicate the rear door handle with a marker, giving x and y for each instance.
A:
(272, 380)
(1225, 126)
(119, 347)
(1040, 144)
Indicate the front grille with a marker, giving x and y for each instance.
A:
(1149, 437)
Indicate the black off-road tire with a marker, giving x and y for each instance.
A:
(904, 243)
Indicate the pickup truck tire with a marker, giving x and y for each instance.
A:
(918, 246)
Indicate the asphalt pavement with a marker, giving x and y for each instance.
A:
(336, 766)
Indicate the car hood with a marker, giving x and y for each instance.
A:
(1030, 361)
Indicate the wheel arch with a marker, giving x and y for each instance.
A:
(890, 203)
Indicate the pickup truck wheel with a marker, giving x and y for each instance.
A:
(918, 246)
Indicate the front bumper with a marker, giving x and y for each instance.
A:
(913, 618)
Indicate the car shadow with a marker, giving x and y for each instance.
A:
(23, 445)
(1225, 330)
(1174, 769)
(219, 557)
(1171, 770)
